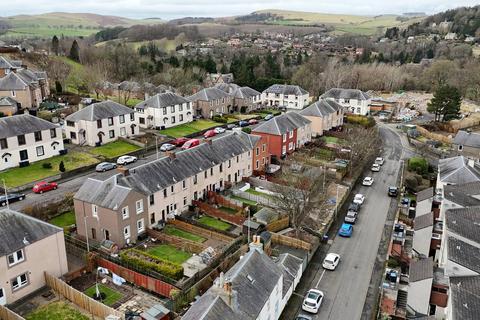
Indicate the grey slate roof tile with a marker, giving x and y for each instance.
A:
(340, 93)
(463, 254)
(321, 108)
(208, 94)
(466, 195)
(465, 299)
(469, 139)
(106, 194)
(286, 89)
(423, 221)
(161, 100)
(99, 110)
(12, 81)
(23, 124)
(465, 222)
(421, 269)
(8, 101)
(456, 170)
(425, 194)
(282, 124)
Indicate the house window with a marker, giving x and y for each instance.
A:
(291, 134)
(180, 118)
(23, 155)
(3, 143)
(221, 167)
(94, 211)
(229, 163)
(164, 193)
(290, 146)
(123, 131)
(19, 282)
(172, 188)
(173, 119)
(141, 120)
(21, 140)
(125, 213)
(70, 124)
(40, 151)
(99, 123)
(38, 135)
(264, 147)
(132, 116)
(284, 149)
(284, 137)
(111, 134)
(152, 199)
(15, 258)
(164, 110)
(195, 179)
(263, 160)
(257, 163)
(139, 206)
(73, 135)
(172, 108)
(238, 159)
(140, 226)
(126, 232)
(122, 118)
(206, 174)
(188, 106)
(13, 93)
(184, 201)
(211, 171)
(110, 121)
(460, 148)
(184, 184)
(257, 151)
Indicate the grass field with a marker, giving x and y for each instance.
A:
(170, 230)
(56, 310)
(114, 149)
(19, 176)
(214, 223)
(189, 128)
(170, 253)
(64, 220)
(111, 296)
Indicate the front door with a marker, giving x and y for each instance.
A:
(3, 298)
(107, 235)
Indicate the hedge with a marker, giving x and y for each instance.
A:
(147, 261)
(365, 121)
(220, 119)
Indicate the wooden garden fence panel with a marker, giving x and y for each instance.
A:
(7, 314)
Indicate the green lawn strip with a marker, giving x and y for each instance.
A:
(64, 220)
(114, 149)
(111, 296)
(56, 310)
(19, 176)
(170, 253)
(214, 223)
(228, 210)
(246, 201)
(258, 193)
(170, 230)
(189, 128)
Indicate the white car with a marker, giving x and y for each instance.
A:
(359, 198)
(123, 160)
(313, 301)
(367, 181)
(379, 161)
(331, 261)
(219, 130)
(167, 147)
(375, 167)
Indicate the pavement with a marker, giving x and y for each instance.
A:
(346, 288)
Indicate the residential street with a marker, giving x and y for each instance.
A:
(346, 288)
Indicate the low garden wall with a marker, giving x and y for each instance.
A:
(177, 242)
(204, 231)
(290, 242)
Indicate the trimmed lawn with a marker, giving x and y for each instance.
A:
(170, 253)
(57, 310)
(172, 231)
(111, 296)
(19, 176)
(214, 223)
(64, 220)
(189, 128)
(249, 202)
(114, 149)
(258, 193)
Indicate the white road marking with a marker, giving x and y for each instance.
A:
(321, 276)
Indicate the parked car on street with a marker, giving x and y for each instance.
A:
(379, 161)
(231, 126)
(346, 230)
(11, 198)
(375, 167)
(359, 198)
(180, 141)
(351, 217)
(105, 166)
(303, 317)
(367, 181)
(44, 186)
(354, 207)
(392, 191)
(123, 160)
(331, 261)
(190, 144)
(268, 117)
(219, 130)
(167, 147)
(252, 121)
(243, 123)
(209, 134)
(313, 300)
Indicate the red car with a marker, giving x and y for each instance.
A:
(209, 134)
(179, 142)
(253, 121)
(43, 186)
(190, 144)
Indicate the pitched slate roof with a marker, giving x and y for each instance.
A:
(465, 195)
(421, 269)
(425, 194)
(266, 215)
(465, 222)
(469, 139)
(465, 299)
(12, 81)
(164, 172)
(463, 254)
(456, 170)
(245, 93)
(423, 221)
(99, 110)
(321, 108)
(227, 87)
(340, 93)
(106, 194)
(23, 124)
(8, 101)
(161, 100)
(286, 89)
(28, 76)
(5, 63)
(282, 124)
(16, 226)
(208, 94)
(290, 266)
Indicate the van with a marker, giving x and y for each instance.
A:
(190, 144)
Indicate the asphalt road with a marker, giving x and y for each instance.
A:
(346, 288)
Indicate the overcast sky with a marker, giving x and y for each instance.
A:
(169, 9)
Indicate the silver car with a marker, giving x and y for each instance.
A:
(167, 147)
(105, 166)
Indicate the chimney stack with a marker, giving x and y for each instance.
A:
(171, 155)
(209, 141)
(124, 171)
(471, 162)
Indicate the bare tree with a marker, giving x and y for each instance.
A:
(363, 143)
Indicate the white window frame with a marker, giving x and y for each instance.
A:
(125, 213)
(121, 118)
(123, 131)
(94, 211)
(139, 206)
(42, 151)
(20, 284)
(16, 259)
(126, 232)
(142, 228)
(284, 137)
(291, 134)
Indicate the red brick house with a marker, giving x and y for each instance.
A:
(261, 154)
(285, 133)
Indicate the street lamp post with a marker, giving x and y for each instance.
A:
(6, 195)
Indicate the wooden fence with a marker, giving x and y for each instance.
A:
(219, 199)
(177, 242)
(291, 242)
(214, 212)
(279, 224)
(434, 136)
(7, 314)
(200, 231)
(80, 299)
(263, 200)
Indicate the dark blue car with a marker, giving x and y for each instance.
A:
(243, 123)
(345, 230)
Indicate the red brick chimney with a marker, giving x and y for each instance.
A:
(124, 171)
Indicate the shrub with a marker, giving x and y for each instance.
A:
(147, 261)
(61, 166)
(247, 130)
(220, 119)
(47, 165)
(392, 263)
(411, 183)
(364, 121)
(418, 165)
